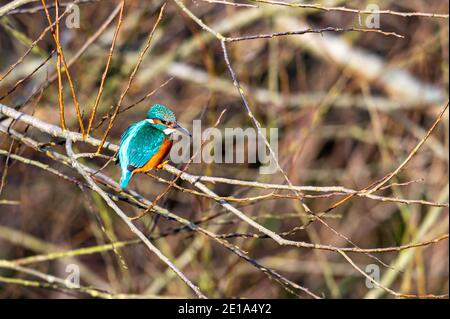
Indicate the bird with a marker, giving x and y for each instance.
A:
(144, 145)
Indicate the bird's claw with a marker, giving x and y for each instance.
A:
(161, 165)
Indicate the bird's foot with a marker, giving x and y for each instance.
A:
(161, 165)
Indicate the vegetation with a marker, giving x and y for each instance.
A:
(357, 206)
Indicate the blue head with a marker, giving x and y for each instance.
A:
(163, 118)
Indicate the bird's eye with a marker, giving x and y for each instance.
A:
(163, 122)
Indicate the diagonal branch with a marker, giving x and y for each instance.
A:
(127, 221)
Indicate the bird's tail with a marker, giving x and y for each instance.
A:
(125, 178)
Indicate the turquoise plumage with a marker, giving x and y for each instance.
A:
(144, 144)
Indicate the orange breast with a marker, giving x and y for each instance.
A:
(156, 159)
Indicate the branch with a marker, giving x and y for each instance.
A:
(127, 221)
(357, 11)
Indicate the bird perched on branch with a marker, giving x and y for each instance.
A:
(145, 144)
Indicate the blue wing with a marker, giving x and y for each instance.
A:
(138, 144)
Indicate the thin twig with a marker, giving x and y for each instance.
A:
(320, 31)
(119, 9)
(32, 45)
(357, 11)
(66, 69)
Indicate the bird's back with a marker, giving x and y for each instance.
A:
(138, 144)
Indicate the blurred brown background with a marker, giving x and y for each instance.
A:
(349, 108)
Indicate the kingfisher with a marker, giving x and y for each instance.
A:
(145, 144)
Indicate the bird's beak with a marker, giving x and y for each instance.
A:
(182, 129)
